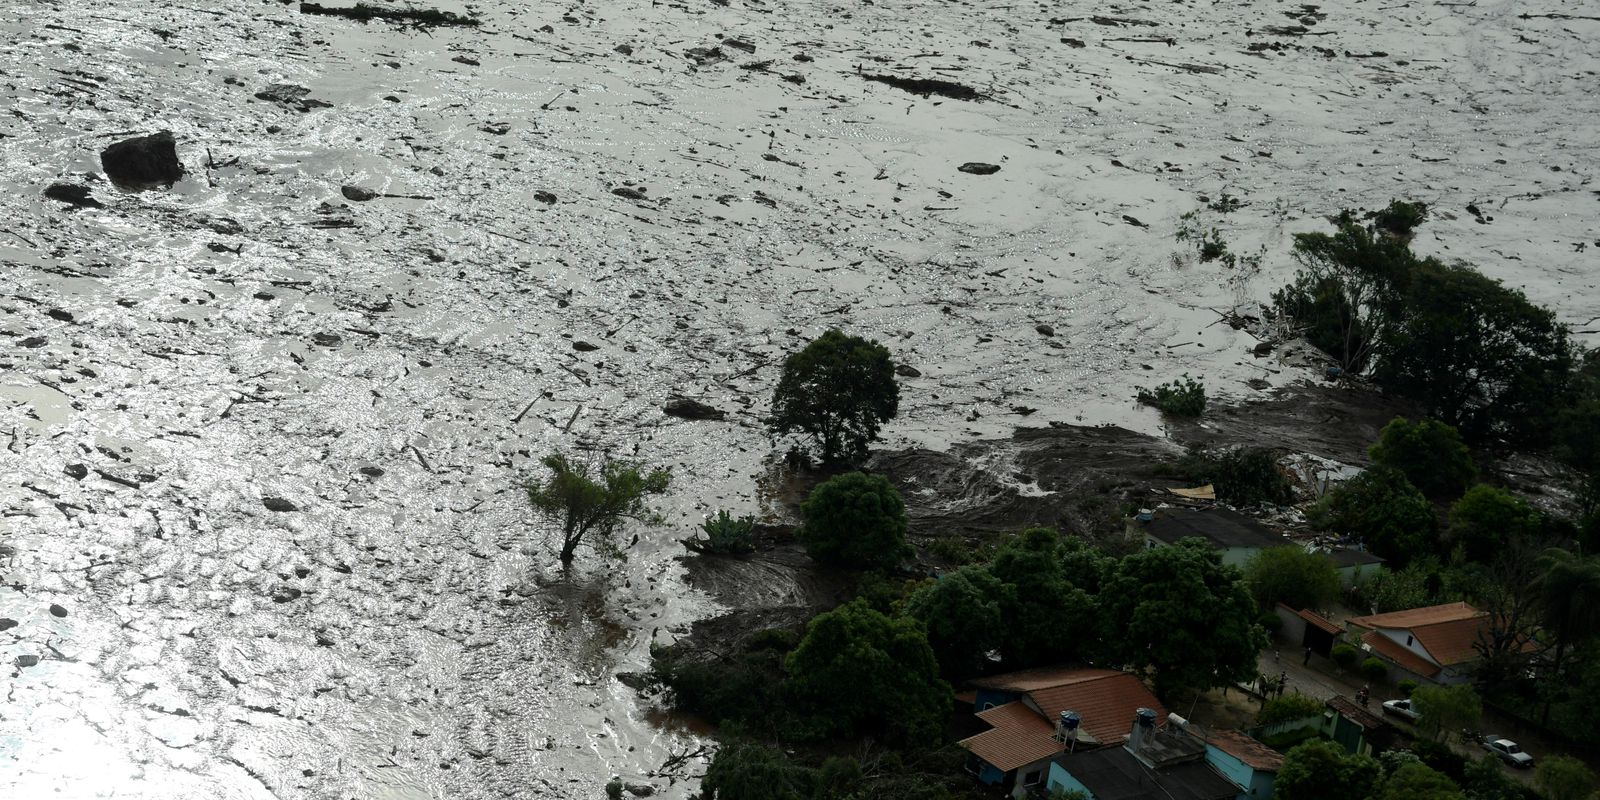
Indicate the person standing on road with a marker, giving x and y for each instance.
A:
(1307, 662)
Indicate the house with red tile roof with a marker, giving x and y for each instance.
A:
(1036, 714)
(1436, 643)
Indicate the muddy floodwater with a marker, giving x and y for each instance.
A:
(262, 532)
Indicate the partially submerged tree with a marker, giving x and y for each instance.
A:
(1429, 453)
(592, 503)
(855, 520)
(838, 391)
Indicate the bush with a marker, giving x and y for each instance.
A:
(614, 789)
(838, 391)
(855, 520)
(593, 504)
(1486, 519)
(1185, 398)
(1440, 756)
(1271, 621)
(962, 612)
(743, 770)
(1406, 687)
(1374, 670)
(1564, 778)
(727, 535)
(1289, 708)
(1344, 655)
(1429, 453)
(1243, 476)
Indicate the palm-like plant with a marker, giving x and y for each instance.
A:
(1570, 587)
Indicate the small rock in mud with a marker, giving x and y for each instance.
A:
(1044, 330)
(629, 192)
(685, 408)
(223, 225)
(33, 341)
(1133, 221)
(624, 49)
(72, 194)
(1073, 43)
(7, 624)
(640, 789)
(357, 194)
(76, 471)
(468, 60)
(284, 593)
(371, 472)
(59, 314)
(545, 197)
(326, 339)
(497, 128)
(57, 610)
(979, 168)
(144, 162)
(907, 371)
(294, 97)
(740, 44)
(705, 56)
(278, 504)
(27, 661)
(584, 347)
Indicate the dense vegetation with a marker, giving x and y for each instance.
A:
(855, 520)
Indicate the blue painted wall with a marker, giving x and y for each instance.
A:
(993, 697)
(1062, 779)
(1254, 785)
(991, 774)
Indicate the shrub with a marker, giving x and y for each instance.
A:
(1564, 778)
(855, 520)
(1289, 708)
(1486, 519)
(1374, 670)
(838, 391)
(1439, 756)
(1271, 621)
(1180, 398)
(962, 612)
(1406, 687)
(1243, 476)
(727, 535)
(1429, 453)
(1344, 655)
(614, 789)
(743, 770)
(1291, 575)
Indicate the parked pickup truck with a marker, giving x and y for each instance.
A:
(1507, 751)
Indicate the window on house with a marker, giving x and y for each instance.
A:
(1408, 640)
(1032, 778)
(986, 706)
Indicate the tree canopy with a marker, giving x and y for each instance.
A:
(1485, 519)
(1321, 770)
(1430, 454)
(962, 612)
(1418, 782)
(591, 504)
(1564, 778)
(1292, 575)
(1446, 708)
(745, 770)
(1382, 508)
(838, 390)
(1182, 614)
(1048, 619)
(855, 520)
(859, 672)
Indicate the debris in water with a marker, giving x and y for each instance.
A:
(685, 408)
(293, 96)
(928, 86)
(365, 12)
(979, 168)
(72, 194)
(145, 162)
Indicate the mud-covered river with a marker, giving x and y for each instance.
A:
(389, 370)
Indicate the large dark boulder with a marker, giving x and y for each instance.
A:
(148, 162)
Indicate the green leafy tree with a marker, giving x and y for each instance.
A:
(1418, 782)
(1564, 778)
(1476, 354)
(1431, 455)
(962, 612)
(1183, 615)
(1321, 770)
(1382, 508)
(1048, 619)
(592, 503)
(1344, 655)
(1485, 519)
(1446, 708)
(1400, 217)
(1485, 779)
(1570, 588)
(1418, 584)
(838, 391)
(1185, 398)
(855, 520)
(1292, 575)
(744, 770)
(1374, 670)
(859, 672)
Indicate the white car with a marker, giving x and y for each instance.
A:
(1507, 751)
(1401, 708)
